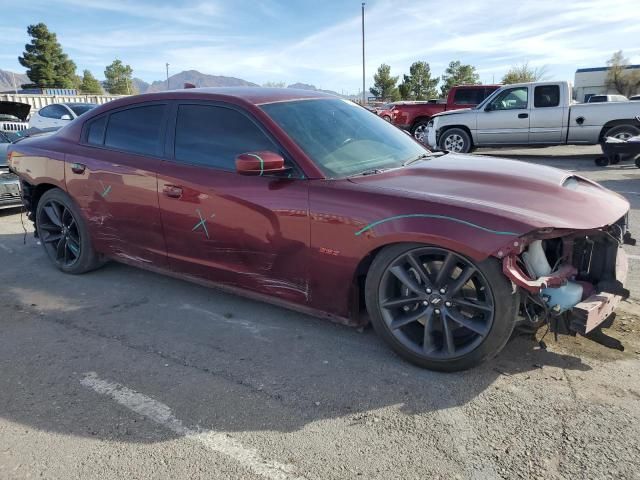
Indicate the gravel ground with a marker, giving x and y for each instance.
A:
(123, 373)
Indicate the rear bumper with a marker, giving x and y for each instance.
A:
(9, 191)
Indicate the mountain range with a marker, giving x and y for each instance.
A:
(176, 81)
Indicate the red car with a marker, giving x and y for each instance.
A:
(308, 201)
(414, 116)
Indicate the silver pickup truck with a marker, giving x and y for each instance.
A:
(540, 113)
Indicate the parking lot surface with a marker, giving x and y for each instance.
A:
(123, 373)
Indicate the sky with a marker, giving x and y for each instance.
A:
(319, 42)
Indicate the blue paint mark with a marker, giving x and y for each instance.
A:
(106, 192)
(439, 217)
(261, 162)
(73, 249)
(202, 223)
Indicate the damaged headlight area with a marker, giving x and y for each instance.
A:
(572, 281)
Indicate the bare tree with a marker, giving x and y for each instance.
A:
(620, 77)
(524, 73)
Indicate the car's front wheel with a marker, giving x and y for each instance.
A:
(439, 309)
(64, 234)
(455, 140)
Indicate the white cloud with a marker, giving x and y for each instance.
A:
(255, 42)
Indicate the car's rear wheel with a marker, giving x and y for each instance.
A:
(455, 140)
(623, 132)
(64, 234)
(386, 118)
(439, 309)
(419, 131)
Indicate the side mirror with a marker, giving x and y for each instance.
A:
(488, 108)
(259, 163)
(66, 116)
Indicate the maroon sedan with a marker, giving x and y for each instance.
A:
(310, 202)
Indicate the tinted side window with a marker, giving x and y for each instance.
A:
(53, 111)
(546, 96)
(214, 136)
(137, 130)
(95, 131)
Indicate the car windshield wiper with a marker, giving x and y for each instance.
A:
(371, 171)
(417, 159)
(423, 156)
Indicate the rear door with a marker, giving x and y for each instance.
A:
(505, 120)
(112, 176)
(548, 115)
(240, 231)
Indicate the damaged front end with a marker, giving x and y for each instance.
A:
(571, 280)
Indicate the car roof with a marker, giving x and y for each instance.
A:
(253, 95)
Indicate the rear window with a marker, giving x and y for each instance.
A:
(95, 131)
(137, 130)
(546, 96)
(469, 96)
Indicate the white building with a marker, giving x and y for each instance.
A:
(592, 81)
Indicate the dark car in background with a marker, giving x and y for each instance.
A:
(308, 201)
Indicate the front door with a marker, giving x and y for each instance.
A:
(240, 231)
(112, 176)
(505, 120)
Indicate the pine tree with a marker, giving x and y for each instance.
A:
(384, 85)
(118, 79)
(47, 65)
(421, 85)
(458, 74)
(90, 84)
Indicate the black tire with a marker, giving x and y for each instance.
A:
(386, 118)
(638, 162)
(455, 140)
(418, 130)
(623, 132)
(602, 161)
(495, 298)
(64, 234)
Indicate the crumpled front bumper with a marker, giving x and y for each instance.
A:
(597, 308)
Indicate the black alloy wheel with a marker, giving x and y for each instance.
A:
(438, 308)
(59, 233)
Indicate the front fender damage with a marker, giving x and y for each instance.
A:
(570, 280)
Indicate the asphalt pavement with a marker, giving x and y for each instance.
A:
(122, 373)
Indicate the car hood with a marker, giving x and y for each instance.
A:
(453, 112)
(17, 109)
(530, 195)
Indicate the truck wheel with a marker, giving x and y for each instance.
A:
(623, 132)
(419, 131)
(455, 140)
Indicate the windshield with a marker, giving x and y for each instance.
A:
(80, 108)
(342, 138)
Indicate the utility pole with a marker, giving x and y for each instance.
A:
(364, 94)
(167, 65)
(15, 88)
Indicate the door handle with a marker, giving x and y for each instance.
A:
(78, 168)
(523, 115)
(172, 191)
